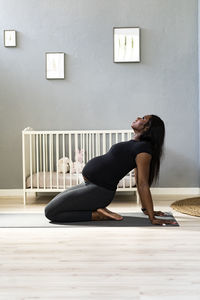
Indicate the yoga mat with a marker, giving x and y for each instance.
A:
(38, 220)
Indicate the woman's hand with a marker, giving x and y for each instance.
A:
(163, 222)
(159, 213)
(156, 213)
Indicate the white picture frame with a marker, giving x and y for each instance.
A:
(126, 44)
(55, 65)
(10, 38)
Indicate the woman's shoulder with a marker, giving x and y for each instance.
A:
(144, 146)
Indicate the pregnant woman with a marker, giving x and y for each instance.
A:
(88, 201)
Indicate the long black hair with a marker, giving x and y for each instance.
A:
(155, 134)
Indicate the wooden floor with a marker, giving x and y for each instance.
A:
(100, 263)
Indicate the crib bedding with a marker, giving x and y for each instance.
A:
(56, 180)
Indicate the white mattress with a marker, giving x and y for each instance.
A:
(50, 180)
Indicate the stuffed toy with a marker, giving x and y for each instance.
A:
(64, 165)
(78, 165)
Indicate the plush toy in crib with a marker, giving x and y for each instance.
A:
(78, 165)
(64, 165)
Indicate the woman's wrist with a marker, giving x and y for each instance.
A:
(143, 209)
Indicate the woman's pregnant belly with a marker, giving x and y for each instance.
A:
(101, 171)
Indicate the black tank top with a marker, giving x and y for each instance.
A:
(108, 169)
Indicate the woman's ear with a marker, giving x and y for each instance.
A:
(146, 126)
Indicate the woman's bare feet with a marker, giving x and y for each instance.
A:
(105, 214)
(115, 215)
(98, 216)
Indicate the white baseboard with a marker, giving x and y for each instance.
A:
(175, 191)
(154, 191)
(13, 193)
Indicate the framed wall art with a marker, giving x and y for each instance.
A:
(126, 44)
(55, 65)
(10, 38)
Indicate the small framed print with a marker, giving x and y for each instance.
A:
(10, 38)
(55, 65)
(126, 44)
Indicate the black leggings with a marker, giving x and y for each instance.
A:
(78, 202)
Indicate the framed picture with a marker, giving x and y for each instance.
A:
(55, 65)
(126, 44)
(10, 38)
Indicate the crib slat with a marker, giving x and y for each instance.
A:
(87, 147)
(104, 143)
(81, 137)
(40, 152)
(50, 159)
(110, 140)
(116, 137)
(92, 145)
(37, 160)
(57, 158)
(33, 153)
(99, 144)
(70, 158)
(63, 154)
(76, 153)
(123, 181)
(46, 152)
(24, 166)
(31, 161)
(44, 169)
(83, 147)
(130, 175)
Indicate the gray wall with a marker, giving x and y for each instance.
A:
(97, 93)
(199, 70)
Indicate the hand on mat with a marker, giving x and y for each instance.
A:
(160, 213)
(157, 213)
(163, 222)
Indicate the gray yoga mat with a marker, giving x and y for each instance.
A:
(38, 220)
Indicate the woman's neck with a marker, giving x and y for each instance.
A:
(136, 137)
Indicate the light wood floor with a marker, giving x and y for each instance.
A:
(100, 263)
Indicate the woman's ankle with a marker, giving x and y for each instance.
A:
(95, 216)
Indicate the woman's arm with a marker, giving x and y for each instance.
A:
(156, 213)
(135, 174)
(143, 161)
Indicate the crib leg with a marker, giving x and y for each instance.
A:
(137, 197)
(24, 198)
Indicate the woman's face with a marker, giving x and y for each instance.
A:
(139, 123)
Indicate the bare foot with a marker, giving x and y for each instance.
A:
(98, 216)
(119, 217)
(109, 214)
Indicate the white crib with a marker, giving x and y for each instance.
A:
(42, 151)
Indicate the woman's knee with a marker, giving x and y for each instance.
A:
(57, 204)
(52, 206)
(48, 212)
